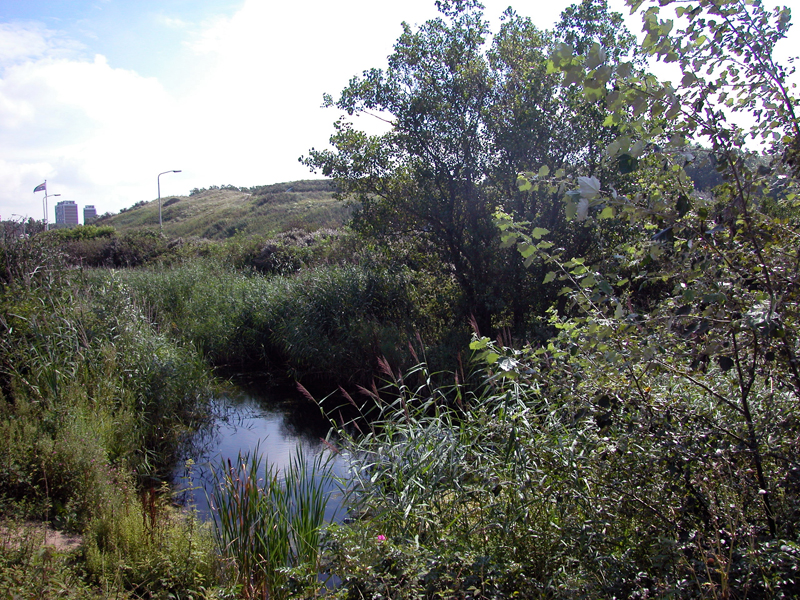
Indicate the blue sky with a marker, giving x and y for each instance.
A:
(99, 96)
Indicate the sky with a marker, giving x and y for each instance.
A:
(98, 97)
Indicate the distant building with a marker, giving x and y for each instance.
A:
(89, 214)
(67, 213)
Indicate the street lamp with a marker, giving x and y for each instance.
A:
(160, 223)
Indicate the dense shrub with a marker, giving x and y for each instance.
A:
(82, 232)
(85, 380)
(95, 405)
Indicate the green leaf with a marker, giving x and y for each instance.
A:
(479, 344)
(491, 357)
(607, 213)
(589, 187)
(583, 209)
(528, 261)
(595, 57)
(562, 54)
(618, 311)
(627, 163)
(571, 210)
(635, 5)
(544, 171)
(538, 232)
(549, 277)
(526, 250)
(508, 239)
(625, 69)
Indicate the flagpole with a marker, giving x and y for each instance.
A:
(39, 188)
(45, 204)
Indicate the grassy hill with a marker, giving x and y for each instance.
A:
(220, 213)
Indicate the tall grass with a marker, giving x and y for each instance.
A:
(551, 480)
(331, 322)
(269, 524)
(139, 543)
(94, 403)
(456, 479)
(72, 351)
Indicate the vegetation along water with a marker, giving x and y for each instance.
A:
(551, 317)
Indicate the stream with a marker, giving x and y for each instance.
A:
(277, 421)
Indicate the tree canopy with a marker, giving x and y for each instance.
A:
(468, 112)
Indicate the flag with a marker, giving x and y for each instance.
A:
(41, 187)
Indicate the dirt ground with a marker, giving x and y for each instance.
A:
(37, 534)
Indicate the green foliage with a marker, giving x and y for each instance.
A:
(29, 569)
(465, 120)
(680, 344)
(28, 263)
(148, 548)
(560, 476)
(82, 232)
(92, 400)
(292, 251)
(464, 490)
(269, 528)
(331, 322)
(75, 350)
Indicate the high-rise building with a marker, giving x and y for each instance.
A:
(89, 214)
(67, 213)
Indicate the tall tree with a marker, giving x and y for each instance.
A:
(466, 118)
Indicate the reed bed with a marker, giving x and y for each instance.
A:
(329, 323)
(269, 523)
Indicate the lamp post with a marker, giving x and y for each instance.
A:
(160, 223)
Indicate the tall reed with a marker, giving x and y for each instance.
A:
(329, 323)
(268, 528)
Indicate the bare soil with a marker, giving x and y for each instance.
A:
(37, 534)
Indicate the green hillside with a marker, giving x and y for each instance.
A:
(219, 213)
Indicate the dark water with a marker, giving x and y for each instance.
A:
(276, 422)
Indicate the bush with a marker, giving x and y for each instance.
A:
(143, 545)
(82, 232)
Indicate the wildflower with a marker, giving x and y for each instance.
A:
(381, 538)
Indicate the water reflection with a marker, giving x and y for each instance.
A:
(278, 422)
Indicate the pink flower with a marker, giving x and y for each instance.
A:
(381, 538)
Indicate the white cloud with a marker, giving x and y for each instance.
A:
(30, 40)
(18, 42)
(171, 22)
(101, 134)
(88, 128)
